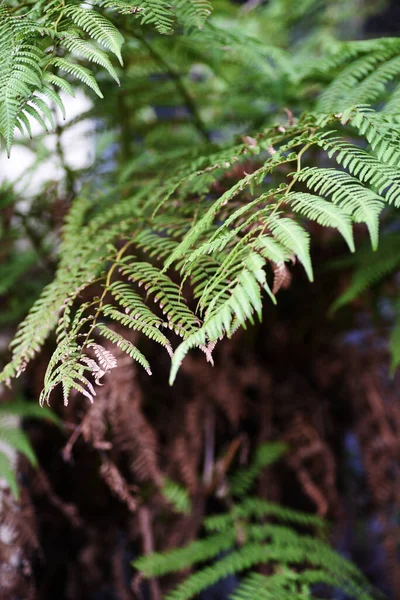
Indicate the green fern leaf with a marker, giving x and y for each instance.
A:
(291, 235)
(88, 50)
(323, 212)
(77, 71)
(177, 496)
(7, 473)
(240, 484)
(98, 27)
(371, 267)
(125, 346)
(16, 438)
(154, 12)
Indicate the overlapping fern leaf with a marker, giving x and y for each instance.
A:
(255, 532)
(365, 72)
(179, 260)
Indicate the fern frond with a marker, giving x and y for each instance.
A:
(290, 585)
(7, 473)
(165, 293)
(364, 79)
(291, 235)
(323, 212)
(265, 455)
(81, 73)
(151, 12)
(177, 560)
(97, 26)
(125, 345)
(20, 72)
(129, 321)
(13, 439)
(34, 330)
(193, 13)
(361, 203)
(253, 554)
(364, 166)
(17, 438)
(254, 507)
(370, 268)
(381, 135)
(87, 50)
(52, 79)
(177, 496)
(68, 368)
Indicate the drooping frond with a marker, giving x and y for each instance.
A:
(96, 26)
(20, 72)
(362, 204)
(203, 275)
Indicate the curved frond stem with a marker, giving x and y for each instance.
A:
(298, 167)
(60, 16)
(107, 284)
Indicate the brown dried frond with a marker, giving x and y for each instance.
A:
(218, 385)
(94, 425)
(377, 416)
(313, 462)
(187, 446)
(117, 484)
(184, 462)
(282, 277)
(105, 358)
(131, 432)
(42, 485)
(146, 531)
(377, 425)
